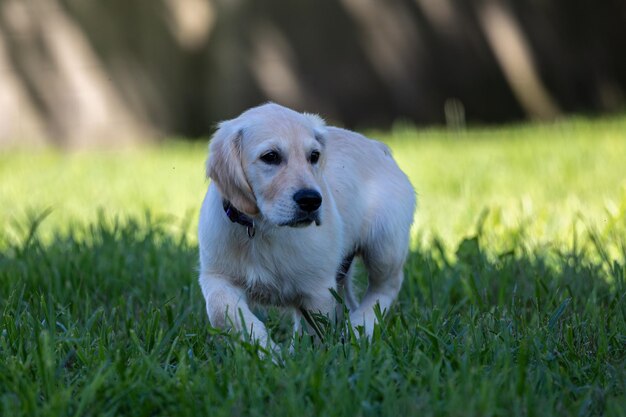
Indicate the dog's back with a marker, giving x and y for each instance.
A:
(369, 188)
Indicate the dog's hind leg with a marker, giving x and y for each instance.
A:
(382, 290)
(344, 285)
(383, 256)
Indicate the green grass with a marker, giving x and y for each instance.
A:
(513, 302)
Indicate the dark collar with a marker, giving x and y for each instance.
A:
(236, 216)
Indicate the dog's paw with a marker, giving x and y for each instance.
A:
(271, 351)
(363, 323)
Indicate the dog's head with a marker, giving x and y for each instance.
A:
(269, 161)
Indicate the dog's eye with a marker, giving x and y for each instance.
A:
(271, 157)
(315, 156)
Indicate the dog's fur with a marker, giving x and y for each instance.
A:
(295, 258)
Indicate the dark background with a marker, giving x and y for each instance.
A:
(78, 72)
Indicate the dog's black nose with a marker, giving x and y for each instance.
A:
(308, 200)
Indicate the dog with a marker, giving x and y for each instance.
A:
(290, 204)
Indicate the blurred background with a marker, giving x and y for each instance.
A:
(76, 73)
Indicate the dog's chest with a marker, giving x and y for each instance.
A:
(277, 292)
(271, 286)
(276, 276)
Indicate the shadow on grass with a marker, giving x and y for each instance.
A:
(110, 315)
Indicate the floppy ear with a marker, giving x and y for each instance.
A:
(225, 167)
(319, 126)
(320, 132)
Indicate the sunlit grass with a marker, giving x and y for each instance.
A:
(544, 176)
(166, 180)
(513, 302)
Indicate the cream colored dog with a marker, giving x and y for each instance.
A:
(291, 202)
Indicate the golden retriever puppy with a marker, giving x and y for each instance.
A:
(291, 203)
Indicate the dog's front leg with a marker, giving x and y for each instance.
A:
(227, 306)
(312, 306)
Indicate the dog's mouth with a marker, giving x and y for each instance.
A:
(303, 221)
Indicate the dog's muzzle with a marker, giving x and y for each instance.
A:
(308, 202)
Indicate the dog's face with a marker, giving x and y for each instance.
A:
(270, 160)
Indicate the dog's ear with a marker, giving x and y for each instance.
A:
(319, 127)
(225, 167)
(320, 132)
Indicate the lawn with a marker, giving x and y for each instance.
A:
(513, 302)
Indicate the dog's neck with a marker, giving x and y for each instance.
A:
(237, 216)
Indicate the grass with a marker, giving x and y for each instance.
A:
(513, 302)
